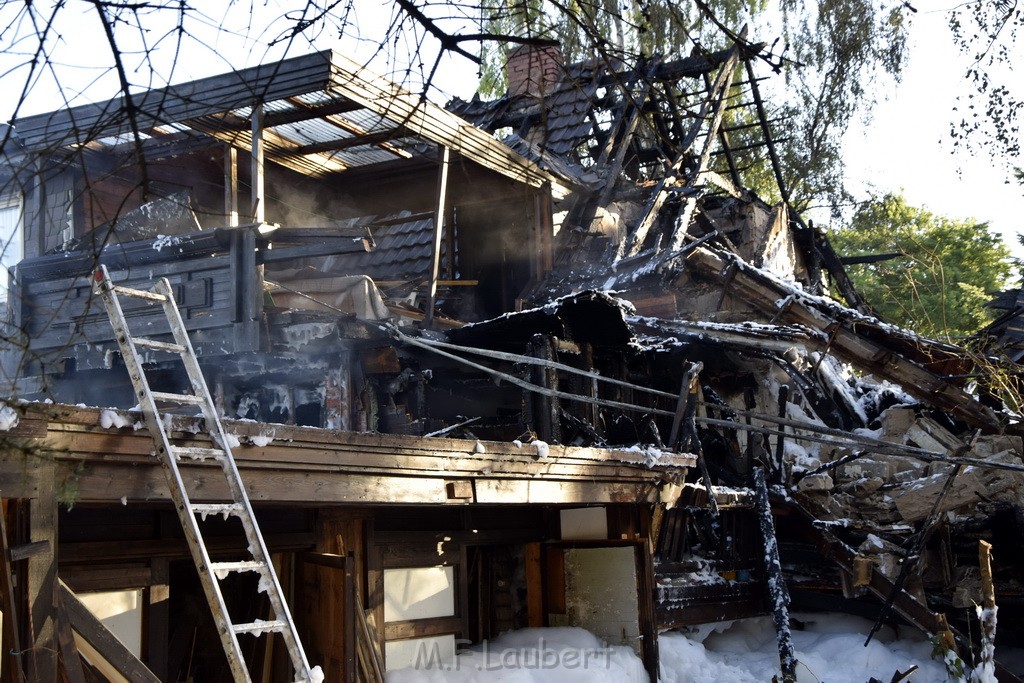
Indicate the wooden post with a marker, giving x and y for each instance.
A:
(646, 612)
(439, 216)
(259, 205)
(776, 584)
(231, 185)
(42, 579)
(158, 615)
(534, 586)
(12, 670)
(351, 590)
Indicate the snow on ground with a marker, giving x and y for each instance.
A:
(829, 648)
(535, 655)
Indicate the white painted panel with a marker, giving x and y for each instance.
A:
(435, 652)
(419, 593)
(601, 593)
(121, 613)
(584, 524)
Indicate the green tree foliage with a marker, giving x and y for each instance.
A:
(944, 272)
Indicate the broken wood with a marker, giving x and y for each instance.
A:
(439, 219)
(985, 666)
(68, 650)
(910, 561)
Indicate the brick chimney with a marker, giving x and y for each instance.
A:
(533, 69)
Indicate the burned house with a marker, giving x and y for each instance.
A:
(536, 361)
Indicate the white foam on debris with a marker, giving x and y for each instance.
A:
(533, 655)
(747, 651)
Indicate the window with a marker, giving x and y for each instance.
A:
(11, 249)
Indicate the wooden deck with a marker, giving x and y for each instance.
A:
(316, 467)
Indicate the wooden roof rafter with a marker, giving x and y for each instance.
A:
(360, 136)
(322, 86)
(281, 149)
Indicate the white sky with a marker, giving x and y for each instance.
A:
(905, 144)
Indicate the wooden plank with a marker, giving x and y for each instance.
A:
(105, 643)
(72, 417)
(419, 628)
(27, 550)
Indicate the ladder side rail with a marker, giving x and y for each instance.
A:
(257, 546)
(179, 494)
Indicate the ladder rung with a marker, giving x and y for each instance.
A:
(169, 347)
(217, 509)
(222, 569)
(140, 294)
(183, 399)
(260, 626)
(196, 452)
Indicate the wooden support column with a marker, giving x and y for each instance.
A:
(439, 216)
(646, 612)
(41, 588)
(778, 594)
(157, 627)
(231, 185)
(259, 204)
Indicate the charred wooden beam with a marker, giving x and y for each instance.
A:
(776, 583)
(849, 344)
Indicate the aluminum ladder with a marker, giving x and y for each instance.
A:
(210, 573)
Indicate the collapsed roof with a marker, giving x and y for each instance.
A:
(673, 307)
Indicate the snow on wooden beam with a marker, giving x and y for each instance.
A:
(846, 341)
(310, 466)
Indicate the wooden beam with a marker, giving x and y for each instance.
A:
(68, 649)
(105, 643)
(849, 343)
(305, 464)
(431, 122)
(157, 615)
(12, 669)
(42, 578)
